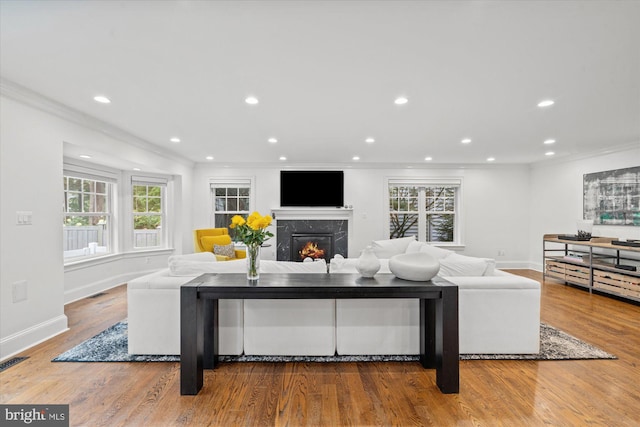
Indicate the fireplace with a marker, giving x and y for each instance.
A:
(311, 245)
(311, 237)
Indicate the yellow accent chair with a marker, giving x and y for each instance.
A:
(204, 240)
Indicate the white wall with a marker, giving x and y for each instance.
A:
(495, 201)
(32, 148)
(556, 193)
(30, 180)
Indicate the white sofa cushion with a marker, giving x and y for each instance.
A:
(153, 305)
(192, 264)
(499, 280)
(186, 267)
(290, 327)
(434, 251)
(154, 310)
(461, 265)
(377, 326)
(317, 266)
(196, 257)
(390, 247)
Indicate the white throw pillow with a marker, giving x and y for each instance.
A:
(460, 265)
(390, 247)
(437, 253)
(192, 264)
(196, 257)
(270, 266)
(414, 247)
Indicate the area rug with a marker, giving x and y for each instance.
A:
(111, 346)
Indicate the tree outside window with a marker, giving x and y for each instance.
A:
(426, 212)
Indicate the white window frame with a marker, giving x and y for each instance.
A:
(109, 177)
(239, 182)
(456, 182)
(137, 180)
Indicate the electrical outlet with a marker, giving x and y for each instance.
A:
(501, 252)
(19, 290)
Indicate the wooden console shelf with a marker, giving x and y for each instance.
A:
(592, 264)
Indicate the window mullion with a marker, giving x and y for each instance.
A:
(422, 214)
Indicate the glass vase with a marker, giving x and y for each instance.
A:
(253, 262)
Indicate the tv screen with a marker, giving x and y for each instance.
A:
(312, 188)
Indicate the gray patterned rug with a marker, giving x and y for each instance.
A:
(111, 346)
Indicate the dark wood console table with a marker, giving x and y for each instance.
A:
(199, 315)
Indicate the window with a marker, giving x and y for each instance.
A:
(148, 212)
(230, 197)
(87, 216)
(428, 210)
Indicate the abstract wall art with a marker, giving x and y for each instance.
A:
(613, 197)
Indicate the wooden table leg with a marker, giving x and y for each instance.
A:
(447, 341)
(428, 333)
(211, 333)
(191, 341)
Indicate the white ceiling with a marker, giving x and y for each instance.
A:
(326, 74)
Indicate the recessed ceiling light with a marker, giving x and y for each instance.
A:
(356, 157)
(102, 99)
(283, 158)
(85, 156)
(401, 100)
(252, 100)
(428, 159)
(550, 141)
(491, 159)
(175, 140)
(546, 103)
(549, 153)
(272, 140)
(369, 140)
(136, 169)
(209, 157)
(466, 141)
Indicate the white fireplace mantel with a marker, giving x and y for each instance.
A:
(312, 213)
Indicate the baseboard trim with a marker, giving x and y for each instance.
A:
(32, 336)
(507, 265)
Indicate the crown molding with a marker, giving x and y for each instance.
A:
(359, 165)
(33, 99)
(588, 155)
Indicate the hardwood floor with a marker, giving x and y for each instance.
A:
(492, 393)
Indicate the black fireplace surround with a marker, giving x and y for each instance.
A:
(329, 235)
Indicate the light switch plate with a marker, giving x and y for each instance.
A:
(24, 217)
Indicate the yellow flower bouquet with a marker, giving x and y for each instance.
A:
(253, 233)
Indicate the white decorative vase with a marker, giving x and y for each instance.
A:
(416, 266)
(368, 264)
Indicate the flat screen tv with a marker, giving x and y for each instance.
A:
(311, 189)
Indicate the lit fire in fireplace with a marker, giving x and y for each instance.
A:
(311, 250)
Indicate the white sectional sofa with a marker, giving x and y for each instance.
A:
(498, 312)
(265, 327)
